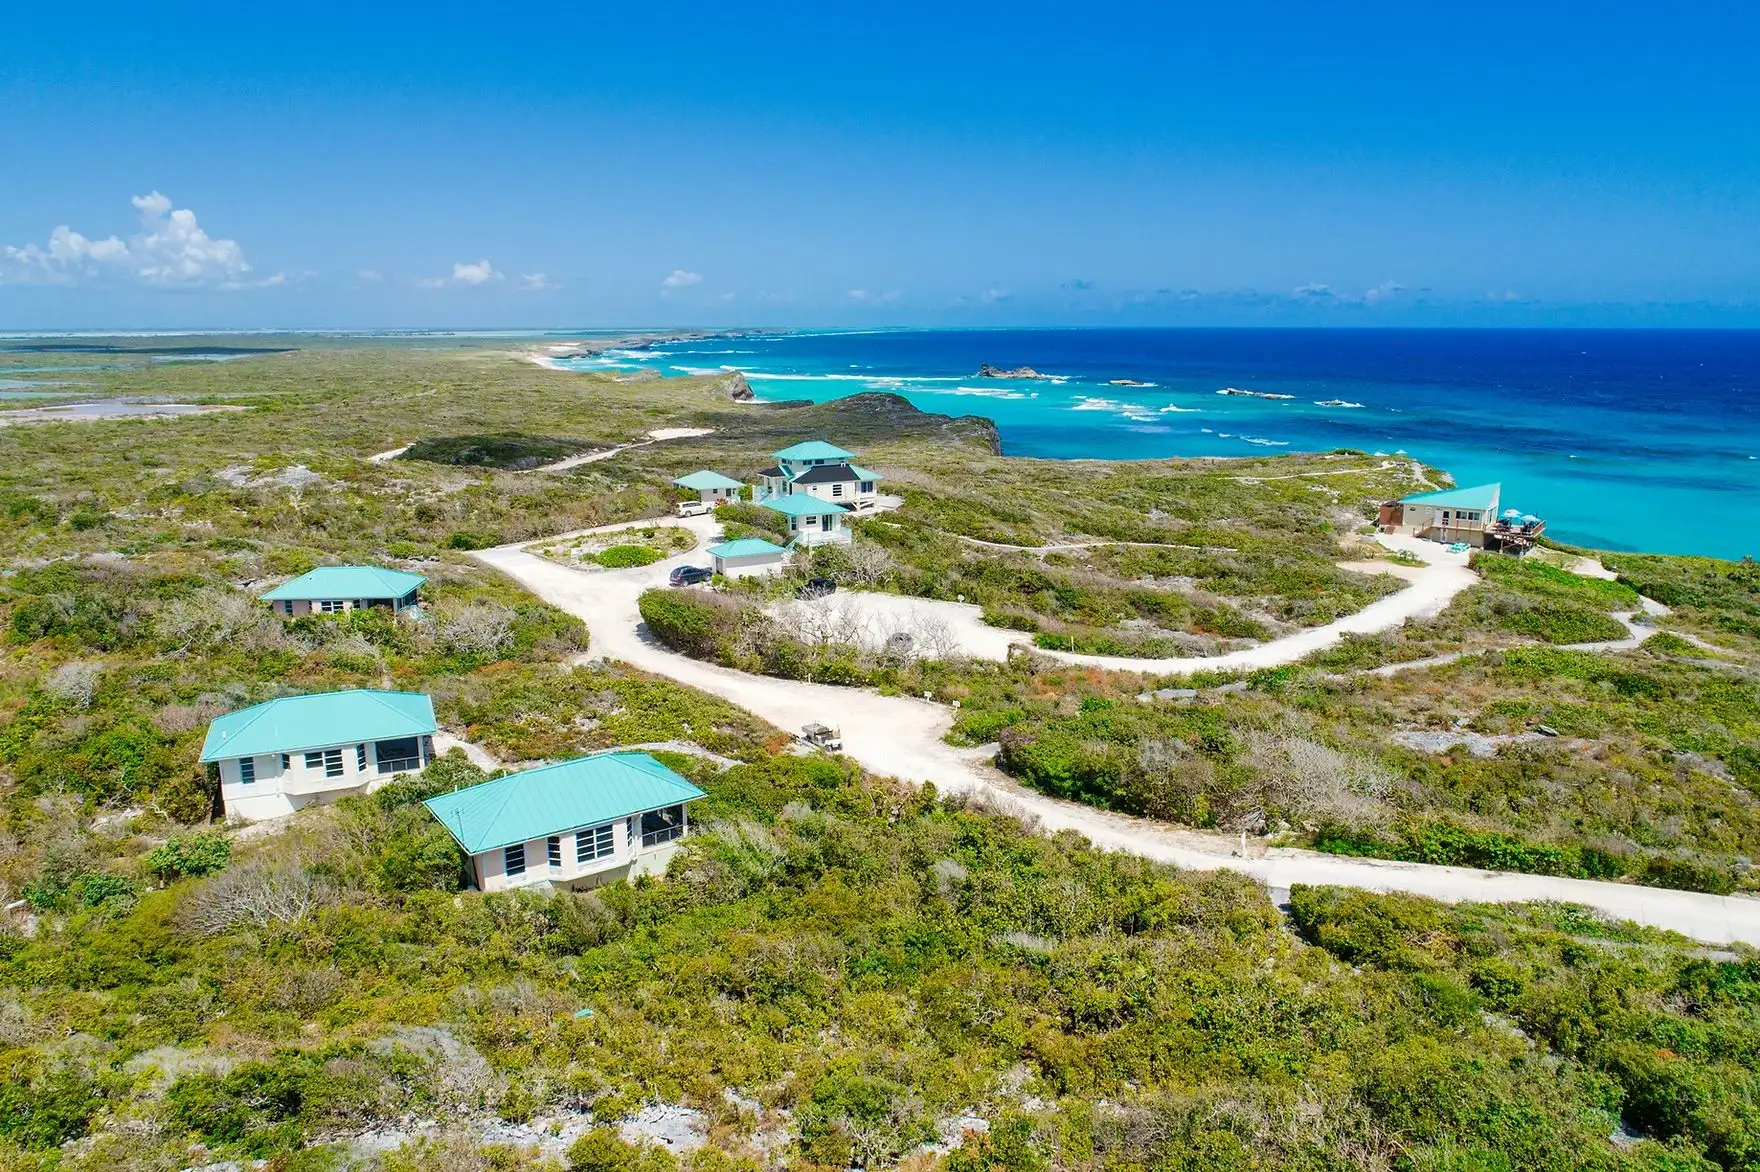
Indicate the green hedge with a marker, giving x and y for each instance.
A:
(1446, 844)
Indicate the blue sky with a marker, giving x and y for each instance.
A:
(986, 164)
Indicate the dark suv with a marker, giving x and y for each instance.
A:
(690, 575)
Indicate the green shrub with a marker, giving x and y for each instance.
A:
(510, 451)
(189, 857)
(1361, 927)
(623, 557)
(1687, 875)
(980, 728)
(464, 540)
(42, 1108)
(695, 622)
(604, 1150)
(752, 516)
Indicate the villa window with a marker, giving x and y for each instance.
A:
(329, 760)
(286, 762)
(554, 850)
(360, 758)
(332, 606)
(287, 606)
(867, 486)
(401, 755)
(837, 490)
(513, 859)
(247, 770)
(594, 843)
(659, 826)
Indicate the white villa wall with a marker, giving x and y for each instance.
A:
(847, 493)
(299, 606)
(628, 859)
(1467, 525)
(815, 533)
(279, 791)
(714, 496)
(751, 566)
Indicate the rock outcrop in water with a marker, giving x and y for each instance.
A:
(988, 371)
(1253, 394)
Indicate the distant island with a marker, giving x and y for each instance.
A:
(1128, 382)
(988, 371)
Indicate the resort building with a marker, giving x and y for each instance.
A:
(1467, 515)
(816, 468)
(712, 487)
(298, 751)
(574, 824)
(811, 519)
(336, 589)
(748, 557)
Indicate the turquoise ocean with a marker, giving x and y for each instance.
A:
(1622, 440)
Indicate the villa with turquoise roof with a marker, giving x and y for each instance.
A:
(336, 589)
(296, 751)
(822, 470)
(711, 487)
(573, 824)
(748, 557)
(1468, 515)
(816, 485)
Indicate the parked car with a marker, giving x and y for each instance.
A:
(821, 737)
(690, 575)
(816, 588)
(694, 508)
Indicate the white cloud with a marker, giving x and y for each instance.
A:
(1506, 295)
(171, 250)
(463, 273)
(1313, 292)
(1383, 291)
(476, 274)
(536, 282)
(370, 277)
(867, 297)
(681, 279)
(992, 295)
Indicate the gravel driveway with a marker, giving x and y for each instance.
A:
(901, 737)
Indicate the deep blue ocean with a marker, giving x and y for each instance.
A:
(1622, 440)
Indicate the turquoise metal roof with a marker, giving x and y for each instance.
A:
(293, 723)
(1483, 496)
(863, 473)
(706, 479)
(800, 504)
(345, 582)
(814, 450)
(587, 791)
(746, 547)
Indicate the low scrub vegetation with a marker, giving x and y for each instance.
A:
(860, 962)
(837, 971)
(510, 451)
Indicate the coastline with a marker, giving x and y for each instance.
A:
(1625, 442)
